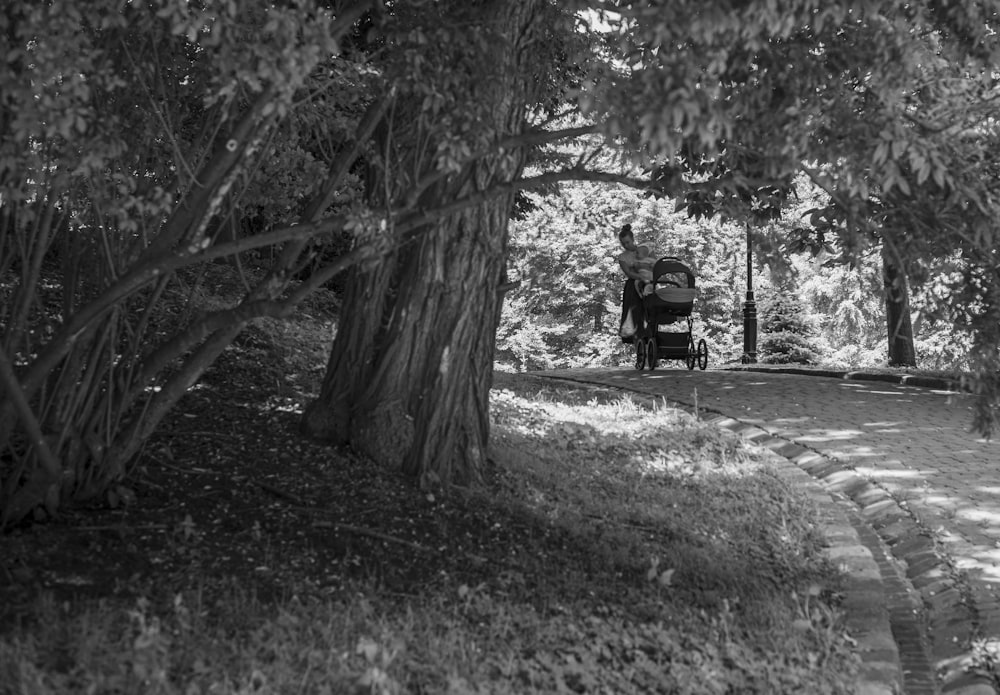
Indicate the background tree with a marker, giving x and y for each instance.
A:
(564, 312)
(886, 97)
(786, 331)
(845, 305)
(566, 309)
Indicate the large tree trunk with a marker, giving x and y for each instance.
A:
(411, 391)
(410, 370)
(897, 313)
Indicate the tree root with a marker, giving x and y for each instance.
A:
(372, 533)
(179, 469)
(278, 492)
(299, 506)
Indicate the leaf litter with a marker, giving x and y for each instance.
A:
(594, 508)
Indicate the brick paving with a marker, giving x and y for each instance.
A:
(924, 493)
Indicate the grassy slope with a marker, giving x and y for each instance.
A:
(615, 548)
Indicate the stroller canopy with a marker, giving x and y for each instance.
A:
(673, 288)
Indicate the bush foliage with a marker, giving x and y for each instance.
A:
(786, 332)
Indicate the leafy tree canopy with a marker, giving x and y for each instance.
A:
(132, 134)
(886, 105)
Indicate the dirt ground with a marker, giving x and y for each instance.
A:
(229, 492)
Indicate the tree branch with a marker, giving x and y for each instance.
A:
(346, 20)
(8, 379)
(536, 137)
(181, 343)
(129, 442)
(341, 165)
(139, 277)
(191, 210)
(533, 138)
(407, 222)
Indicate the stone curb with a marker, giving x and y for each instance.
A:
(930, 382)
(930, 621)
(947, 623)
(866, 607)
(866, 597)
(924, 600)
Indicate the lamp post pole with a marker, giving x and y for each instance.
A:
(749, 311)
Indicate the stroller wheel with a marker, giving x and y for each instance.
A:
(640, 354)
(651, 353)
(692, 357)
(702, 354)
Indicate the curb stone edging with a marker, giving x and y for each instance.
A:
(949, 621)
(930, 648)
(930, 382)
(865, 605)
(912, 574)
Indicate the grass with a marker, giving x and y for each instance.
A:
(616, 546)
(637, 551)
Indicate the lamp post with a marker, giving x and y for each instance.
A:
(749, 311)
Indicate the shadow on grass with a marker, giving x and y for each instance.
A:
(612, 548)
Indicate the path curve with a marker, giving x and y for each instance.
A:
(918, 478)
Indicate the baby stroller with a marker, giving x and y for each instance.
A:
(667, 300)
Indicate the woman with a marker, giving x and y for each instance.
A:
(637, 264)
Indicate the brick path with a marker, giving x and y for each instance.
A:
(927, 487)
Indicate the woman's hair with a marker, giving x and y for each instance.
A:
(626, 231)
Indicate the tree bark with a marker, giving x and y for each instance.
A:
(897, 313)
(409, 375)
(411, 366)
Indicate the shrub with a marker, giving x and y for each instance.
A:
(785, 347)
(787, 334)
